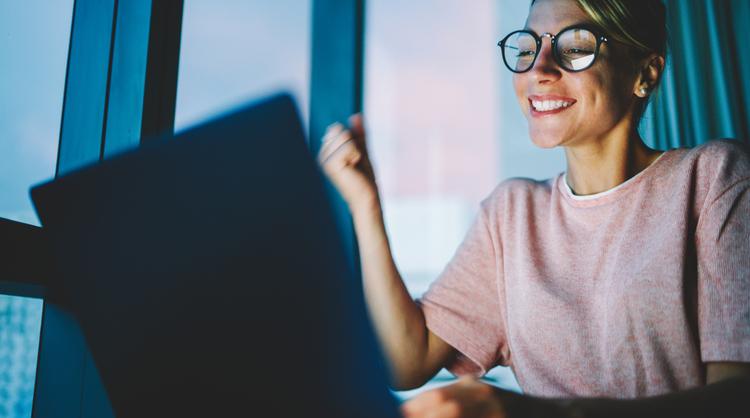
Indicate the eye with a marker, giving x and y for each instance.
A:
(525, 53)
(577, 51)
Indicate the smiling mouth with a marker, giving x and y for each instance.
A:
(548, 107)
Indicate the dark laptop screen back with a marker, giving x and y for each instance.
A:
(209, 279)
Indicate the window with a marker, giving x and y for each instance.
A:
(20, 321)
(443, 125)
(34, 39)
(431, 105)
(235, 50)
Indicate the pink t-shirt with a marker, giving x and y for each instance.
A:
(625, 293)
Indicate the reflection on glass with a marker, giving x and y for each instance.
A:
(235, 50)
(20, 322)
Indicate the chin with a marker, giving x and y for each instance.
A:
(545, 139)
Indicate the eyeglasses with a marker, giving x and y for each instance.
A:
(574, 49)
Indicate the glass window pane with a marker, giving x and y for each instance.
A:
(34, 36)
(431, 105)
(436, 134)
(34, 39)
(20, 322)
(235, 50)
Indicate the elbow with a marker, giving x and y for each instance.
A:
(408, 381)
(406, 384)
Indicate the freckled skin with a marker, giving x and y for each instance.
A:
(603, 93)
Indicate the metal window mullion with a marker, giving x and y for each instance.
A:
(59, 380)
(119, 85)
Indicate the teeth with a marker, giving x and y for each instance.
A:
(547, 105)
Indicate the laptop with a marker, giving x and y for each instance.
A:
(209, 279)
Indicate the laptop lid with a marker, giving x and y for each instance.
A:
(209, 278)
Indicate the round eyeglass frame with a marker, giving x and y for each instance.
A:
(600, 38)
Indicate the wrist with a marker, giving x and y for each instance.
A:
(366, 208)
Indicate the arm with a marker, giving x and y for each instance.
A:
(413, 352)
(725, 395)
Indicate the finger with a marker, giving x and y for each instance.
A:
(356, 124)
(467, 380)
(446, 409)
(332, 131)
(347, 154)
(469, 388)
(465, 389)
(333, 144)
(332, 137)
(459, 387)
(334, 127)
(450, 409)
(357, 127)
(425, 401)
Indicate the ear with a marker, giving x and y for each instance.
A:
(651, 70)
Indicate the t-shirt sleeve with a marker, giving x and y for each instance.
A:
(462, 306)
(723, 253)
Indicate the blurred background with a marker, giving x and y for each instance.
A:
(444, 126)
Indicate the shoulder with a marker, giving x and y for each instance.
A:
(719, 156)
(721, 149)
(716, 170)
(716, 165)
(518, 191)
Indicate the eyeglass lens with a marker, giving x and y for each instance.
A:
(575, 50)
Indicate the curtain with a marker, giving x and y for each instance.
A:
(705, 91)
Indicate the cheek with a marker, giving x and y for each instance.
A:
(611, 93)
(611, 105)
(519, 84)
(604, 99)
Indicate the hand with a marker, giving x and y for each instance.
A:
(465, 399)
(469, 398)
(343, 157)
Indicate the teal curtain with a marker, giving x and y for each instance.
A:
(705, 92)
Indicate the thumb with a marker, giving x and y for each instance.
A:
(357, 127)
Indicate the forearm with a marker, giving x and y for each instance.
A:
(398, 321)
(728, 398)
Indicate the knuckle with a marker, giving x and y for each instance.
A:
(342, 159)
(484, 390)
(355, 156)
(334, 160)
(345, 135)
(453, 408)
(438, 395)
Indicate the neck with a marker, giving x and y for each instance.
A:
(599, 164)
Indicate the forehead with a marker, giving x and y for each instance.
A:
(553, 15)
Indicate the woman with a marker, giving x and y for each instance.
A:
(626, 277)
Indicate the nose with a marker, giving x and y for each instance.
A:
(545, 69)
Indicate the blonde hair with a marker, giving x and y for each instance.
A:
(640, 24)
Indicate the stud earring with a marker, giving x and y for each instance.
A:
(643, 91)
